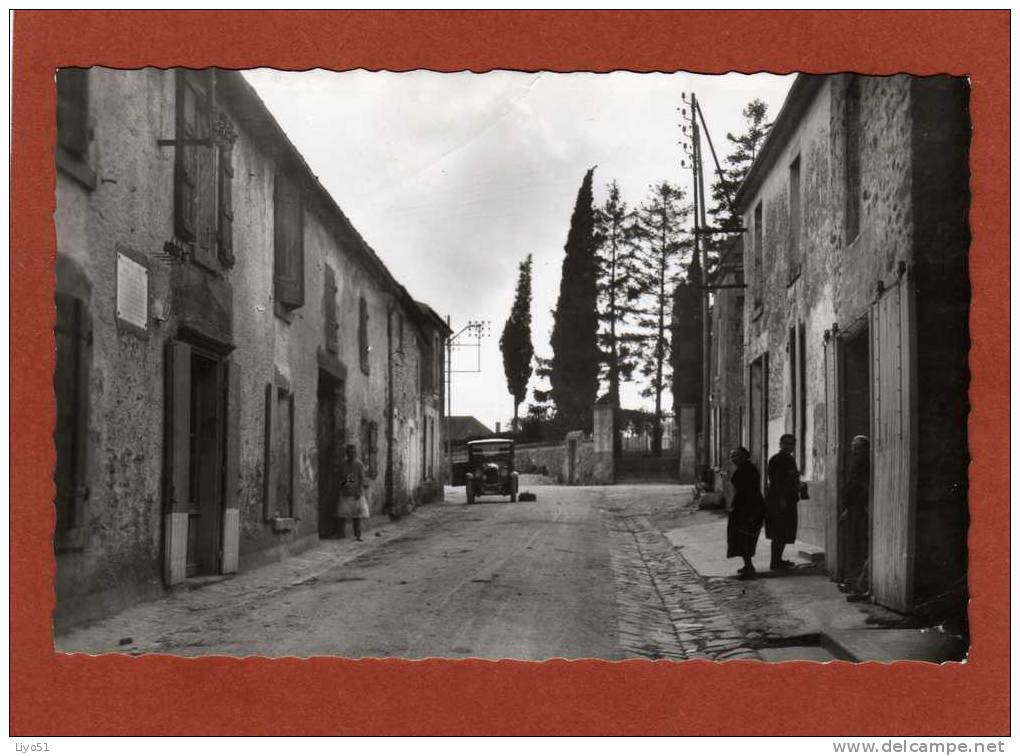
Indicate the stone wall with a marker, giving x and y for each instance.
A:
(837, 276)
(913, 169)
(116, 555)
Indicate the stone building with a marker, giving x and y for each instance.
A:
(222, 331)
(856, 315)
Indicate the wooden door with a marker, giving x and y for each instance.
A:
(893, 458)
(195, 457)
(330, 448)
(205, 466)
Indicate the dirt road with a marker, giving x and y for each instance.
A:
(496, 580)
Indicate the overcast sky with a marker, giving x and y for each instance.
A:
(454, 177)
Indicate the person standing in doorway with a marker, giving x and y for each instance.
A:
(746, 511)
(854, 517)
(352, 505)
(781, 497)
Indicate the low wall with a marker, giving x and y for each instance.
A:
(541, 459)
(550, 461)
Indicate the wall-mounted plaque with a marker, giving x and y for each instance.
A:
(132, 292)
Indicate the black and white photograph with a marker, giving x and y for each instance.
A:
(512, 365)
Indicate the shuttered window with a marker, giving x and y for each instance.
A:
(288, 243)
(191, 158)
(278, 491)
(363, 334)
(72, 110)
(852, 150)
(203, 171)
(759, 256)
(73, 336)
(793, 264)
(225, 236)
(329, 313)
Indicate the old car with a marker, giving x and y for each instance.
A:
(491, 469)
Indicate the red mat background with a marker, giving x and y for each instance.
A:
(53, 694)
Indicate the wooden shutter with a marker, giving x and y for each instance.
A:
(269, 468)
(178, 420)
(225, 235)
(72, 110)
(329, 313)
(186, 157)
(288, 243)
(833, 445)
(232, 471)
(893, 467)
(73, 336)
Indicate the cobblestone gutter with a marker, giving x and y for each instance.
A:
(665, 610)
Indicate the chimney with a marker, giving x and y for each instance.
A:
(497, 426)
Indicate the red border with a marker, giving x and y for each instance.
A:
(53, 694)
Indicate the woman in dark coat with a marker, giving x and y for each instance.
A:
(746, 512)
(781, 496)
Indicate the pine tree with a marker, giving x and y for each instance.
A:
(737, 163)
(619, 288)
(515, 343)
(661, 222)
(575, 362)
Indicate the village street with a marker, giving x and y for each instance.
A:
(581, 572)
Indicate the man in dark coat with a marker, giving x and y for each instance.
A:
(781, 497)
(854, 515)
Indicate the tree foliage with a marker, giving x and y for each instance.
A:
(661, 219)
(515, 343)
(744, 149)
(574, 371)
(617, 236)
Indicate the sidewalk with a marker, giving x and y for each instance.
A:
(133, 631)
(803, 606)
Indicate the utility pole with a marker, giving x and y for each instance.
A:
(702, 229)
(476, 329)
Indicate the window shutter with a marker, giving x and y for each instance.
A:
(269, 469)
(178, 405)
(185, 161)
(72, 110)
(73, 336)
(225, 237)
(206, 171)
(329, 310)
(288, 243)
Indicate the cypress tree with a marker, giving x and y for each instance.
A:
(515, 343)
(574, 371)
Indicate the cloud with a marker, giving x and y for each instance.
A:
(453, 178)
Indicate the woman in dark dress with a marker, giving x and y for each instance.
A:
(747, 511)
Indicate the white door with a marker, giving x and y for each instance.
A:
(893, 429)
